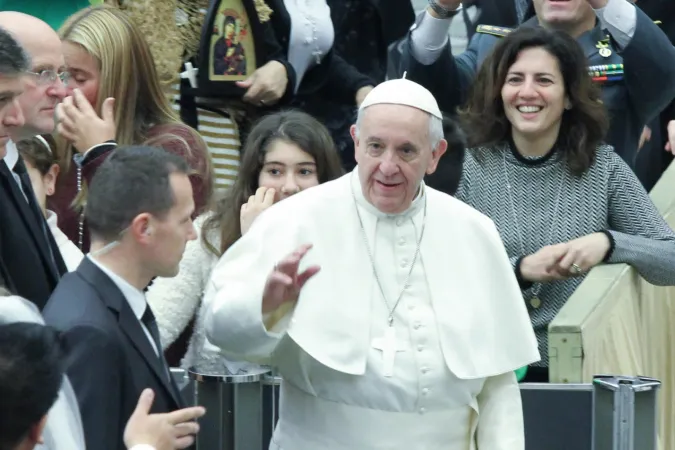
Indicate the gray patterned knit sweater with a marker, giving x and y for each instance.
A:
(608, 197)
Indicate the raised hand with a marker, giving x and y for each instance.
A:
(78, 122)
(170, 431)
(284, 283)
(257, 203)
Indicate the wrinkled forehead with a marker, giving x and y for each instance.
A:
(44, 50)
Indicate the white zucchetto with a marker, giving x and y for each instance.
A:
(402, 91)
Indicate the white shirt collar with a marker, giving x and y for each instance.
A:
(51, 217)
(135, 298)
(415, 206)
(12, 155)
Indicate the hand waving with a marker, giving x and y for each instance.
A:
(79, 123)
(284, 283)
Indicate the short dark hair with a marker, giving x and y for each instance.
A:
(131, 181)
(583, 127)
(31, 375)
(13, 58)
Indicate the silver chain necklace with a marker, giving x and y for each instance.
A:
(535, 301)
(391, 309)
(388, 343)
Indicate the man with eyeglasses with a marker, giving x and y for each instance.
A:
(31, 259)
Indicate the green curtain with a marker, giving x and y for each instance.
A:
(54, 12)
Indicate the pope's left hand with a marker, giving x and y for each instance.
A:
(597, 4)
(583, 253)
(361, 94)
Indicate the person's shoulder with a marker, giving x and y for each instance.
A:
(17, 309)
(456, 209)
(73, 299)
(606, 158)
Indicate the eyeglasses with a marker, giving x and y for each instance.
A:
(47, 77)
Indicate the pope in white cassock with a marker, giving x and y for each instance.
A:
(390, 309)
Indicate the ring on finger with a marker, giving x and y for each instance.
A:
(575, 269)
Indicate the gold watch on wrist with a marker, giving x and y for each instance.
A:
(443, 12)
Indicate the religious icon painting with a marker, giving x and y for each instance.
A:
(231, 47)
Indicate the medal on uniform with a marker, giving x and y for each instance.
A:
(603, 49)
(535, 302)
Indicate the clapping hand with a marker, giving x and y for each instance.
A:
(78, 122)
(170, 431)
(257, 203)
(284, 283)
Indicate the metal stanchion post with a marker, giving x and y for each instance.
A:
(234, 410)
(625, 414)
(271, 385)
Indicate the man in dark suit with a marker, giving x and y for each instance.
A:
(30, 262)
(138, 209)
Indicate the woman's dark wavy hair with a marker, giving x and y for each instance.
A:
(583, 127)
(292, 126)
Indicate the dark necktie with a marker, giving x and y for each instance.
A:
(150, 323)
(26, 187)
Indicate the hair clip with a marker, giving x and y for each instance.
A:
(44, 142)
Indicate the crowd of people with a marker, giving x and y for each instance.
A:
(390, 216)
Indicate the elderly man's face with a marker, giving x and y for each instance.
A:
(393, 150)
(40, 95)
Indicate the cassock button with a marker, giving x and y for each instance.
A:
(404, 263)
(420, 348)
(423, 410)
(425, 391)
(424, 369)
(400, 222)
(417, 326)
(401, 241)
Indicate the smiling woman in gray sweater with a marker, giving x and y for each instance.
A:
(562, 201)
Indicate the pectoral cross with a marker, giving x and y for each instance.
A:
(317, 55)
(389, 347)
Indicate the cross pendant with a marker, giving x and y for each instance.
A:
(317, 55)
(389, 347)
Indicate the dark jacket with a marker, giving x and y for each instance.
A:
(109, 360)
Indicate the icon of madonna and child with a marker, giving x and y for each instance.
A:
(229, 49)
